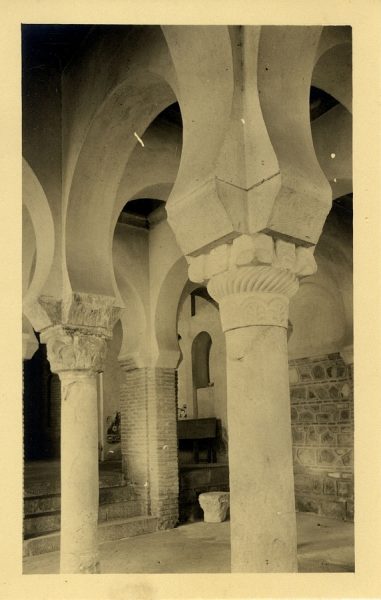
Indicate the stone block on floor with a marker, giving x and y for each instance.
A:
(215, 506)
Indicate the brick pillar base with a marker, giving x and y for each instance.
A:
(149, 440)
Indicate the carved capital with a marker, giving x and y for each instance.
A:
(72, 349)
(251, 308)
(253, 278)
(90, 310)
(77, 309)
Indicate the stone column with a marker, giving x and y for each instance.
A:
(77, 355)
(149, 439)
(252, 279)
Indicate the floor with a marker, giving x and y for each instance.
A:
(324, 545)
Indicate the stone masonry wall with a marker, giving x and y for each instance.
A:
(321, 390)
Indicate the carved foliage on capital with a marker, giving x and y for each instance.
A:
(72, 349)
(253, 308)
(253, 278)
(91, 310)
(257, 250)
(76, 309)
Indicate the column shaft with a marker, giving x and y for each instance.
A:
(263, 525)
(79, 473)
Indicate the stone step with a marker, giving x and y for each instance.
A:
(43, 523)
(115, 493)
(42, 504)
(114, 529)
(52, 502)
(116, 510)
(117, 529)
(52, 485)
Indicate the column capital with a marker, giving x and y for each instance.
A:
(74, 309)
(252, 278)
(75, 349)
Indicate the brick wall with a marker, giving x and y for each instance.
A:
(321, 390)
(149, 440)
(162, 435)
(134, 439)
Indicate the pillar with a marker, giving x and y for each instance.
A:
(77, 355)
(134, 432)
(149, 439)
(163, 451)
(252, 279)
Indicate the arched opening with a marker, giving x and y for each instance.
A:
(204, 401)
(41, 408)
(202, 410)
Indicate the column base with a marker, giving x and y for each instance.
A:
(82, 564)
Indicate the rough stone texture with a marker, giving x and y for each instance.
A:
(149, 440)
(322, 432)
(215, 506)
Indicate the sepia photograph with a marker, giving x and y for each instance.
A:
(191, 250)
(187, 299)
